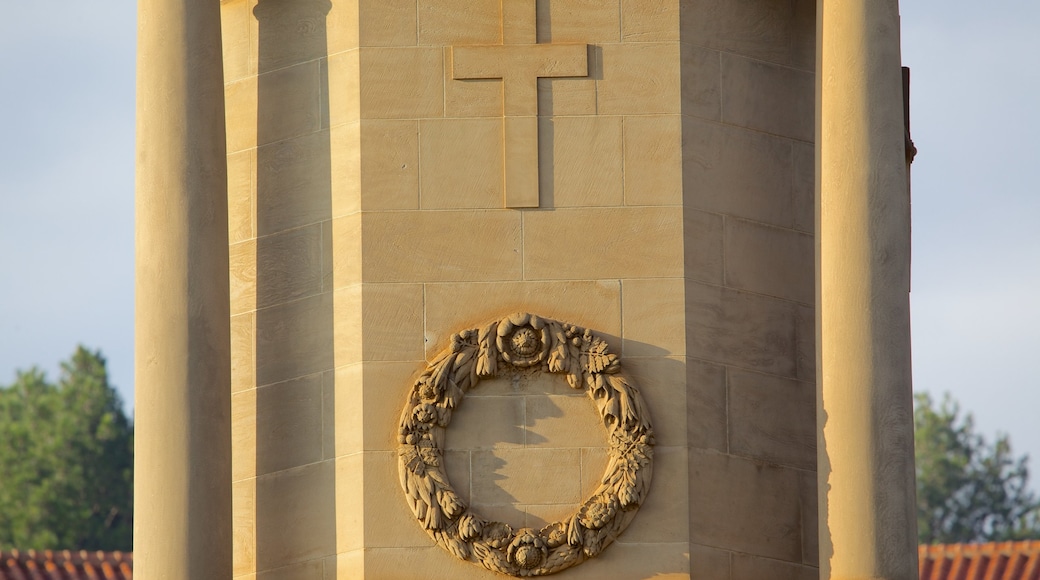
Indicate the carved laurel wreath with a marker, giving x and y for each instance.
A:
(525, 341)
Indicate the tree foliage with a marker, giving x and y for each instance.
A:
(66, 460)
(968, 490)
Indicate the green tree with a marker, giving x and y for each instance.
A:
(968, 490)
(66, 460)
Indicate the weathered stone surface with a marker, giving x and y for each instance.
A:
(370, 219)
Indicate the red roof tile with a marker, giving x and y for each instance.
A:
(66, 565)
(996, 561)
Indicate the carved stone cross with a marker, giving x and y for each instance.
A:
(519, 61)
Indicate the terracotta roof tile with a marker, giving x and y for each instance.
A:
(66, 565)
(995, 561)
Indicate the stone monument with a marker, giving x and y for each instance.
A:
(487, 288)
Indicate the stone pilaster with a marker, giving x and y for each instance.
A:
(865, 419)
(182, 480)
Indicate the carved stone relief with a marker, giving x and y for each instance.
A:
(525, 341)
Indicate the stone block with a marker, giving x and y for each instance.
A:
(593, 466)
(342, 26)
(288, 102)
(747, 567)
(344, 76)
(348, 326)
(717, 175)
(349, 503)
(767, 97)
(392, 322)
(523, 383)
(770, 260)
(243, 359)
(402, 83)
(805, 343)
(703, 246)
(620, 561)
(708, 563)
(289, 428)
(241, 170)
(470, 97)
(442, 246)
(389, 522)
(587, 21)
(649, 20)
(639, 79)
(387, 23)
(701, 82)
(653, 160)
(772, 419)
(345, 179)
(385, 386)
(486, 423)
(663, 517)
(803, 45)
(663, 383)
(293, 519)
(293, 183)
(294, 339)
(242, 279)
(235, 17)
(309, 570)
(453, 307)
(568, 95)
(389, 164)
(585, 168)
(328, 414)
(808, 499)
(434, 563)
(603, 243)
(240, 114)
(760, 29)
(291, 33)
(350, 424)
(539, 516)
(526, 476)
(288, 265)
(740, 329)
(457, 468)
(558, 421)
(243, 435)
(448, 22)
(706, 406)
(346, 258)
(745, 506)
(243, 524)
(804, 192)
(445, 146)
(327, 243)
(653, 317)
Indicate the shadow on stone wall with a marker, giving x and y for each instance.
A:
(295, 489)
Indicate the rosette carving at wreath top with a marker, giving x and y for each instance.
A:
(525, 341)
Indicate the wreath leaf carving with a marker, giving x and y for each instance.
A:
(525, 341)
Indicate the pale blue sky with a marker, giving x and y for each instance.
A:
(66, 197)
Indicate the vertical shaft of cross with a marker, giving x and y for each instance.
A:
(519, 61)
(519, 158)
(865, 409)
(182, 476)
